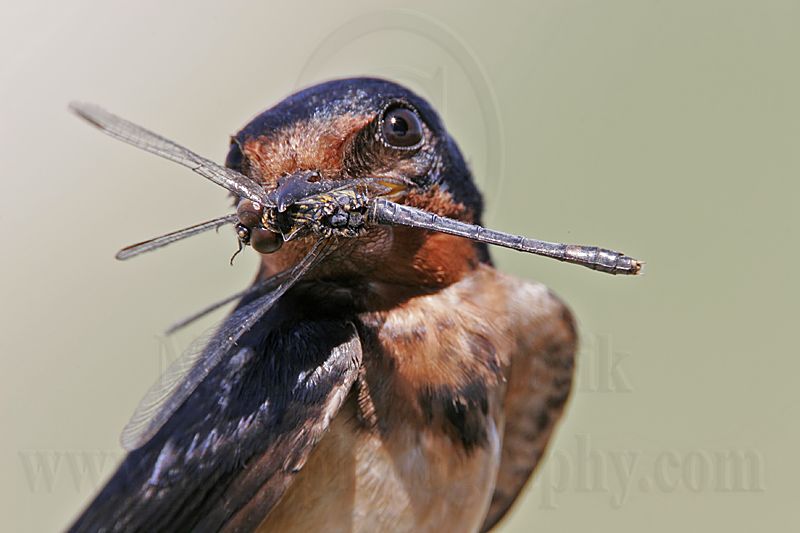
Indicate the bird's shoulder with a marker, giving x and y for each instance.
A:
(539, 378)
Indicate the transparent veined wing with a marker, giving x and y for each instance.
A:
(175, 236)
(185, 374)
(260, 286)
(137, 136)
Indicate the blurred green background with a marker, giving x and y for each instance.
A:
(669, 130)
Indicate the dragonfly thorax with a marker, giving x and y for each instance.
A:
(336, 213)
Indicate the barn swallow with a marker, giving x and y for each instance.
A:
(380, 374)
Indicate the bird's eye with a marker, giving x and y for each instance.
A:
(401, 128)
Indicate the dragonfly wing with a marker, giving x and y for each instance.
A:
(185, 374)
(137, 136)
(175, 236)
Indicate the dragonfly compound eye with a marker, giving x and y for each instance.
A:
(250, 213)
(265, 241)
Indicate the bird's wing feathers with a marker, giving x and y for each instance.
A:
(230, 451)
(539, 379)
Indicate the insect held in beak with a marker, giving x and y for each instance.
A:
(301, 205)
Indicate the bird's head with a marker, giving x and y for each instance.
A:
(367, 128)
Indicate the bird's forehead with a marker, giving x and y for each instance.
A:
(315, 143)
